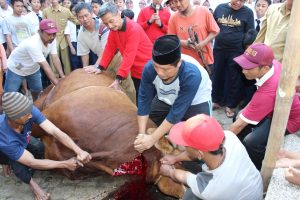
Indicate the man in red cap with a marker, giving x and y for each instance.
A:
(26, 60)
(258, 63)
(228, 172)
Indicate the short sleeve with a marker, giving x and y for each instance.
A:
(37, 116)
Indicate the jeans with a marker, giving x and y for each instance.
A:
(13, 82)
(24, 173)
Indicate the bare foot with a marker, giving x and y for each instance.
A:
(6, 170)
(286, 162)
(292, 175)
(38, 192)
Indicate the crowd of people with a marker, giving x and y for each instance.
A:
(177, 60)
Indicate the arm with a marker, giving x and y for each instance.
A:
(72, 49)
(206, 41)
(9, 43)
(238, 126)
(170, 159)
(142, 20)
(50, 128)
(57, 64)
(43, 164)
(175, 174)
(85, 60)
(47, 69)
(3, 58)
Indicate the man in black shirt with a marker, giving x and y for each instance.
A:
(234, 20)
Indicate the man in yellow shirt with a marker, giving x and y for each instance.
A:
(61, 16)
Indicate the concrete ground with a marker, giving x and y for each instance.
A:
(62, 188)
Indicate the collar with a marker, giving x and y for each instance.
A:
(153, 7)
(123, 28)
(283, 10)
(264, 78)
(58, 8)
(96, 25)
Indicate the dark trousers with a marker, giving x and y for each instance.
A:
(255, 139)
(160, 110)
(24, 173)
(227, 79)
(136, 83)
(75, 60)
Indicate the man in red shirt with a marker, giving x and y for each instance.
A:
(130, 39)
(258, 63)
(154, 19)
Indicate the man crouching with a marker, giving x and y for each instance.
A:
(22, 152)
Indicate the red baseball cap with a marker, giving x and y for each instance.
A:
(200, 132)
(49, 26)
(256, 55)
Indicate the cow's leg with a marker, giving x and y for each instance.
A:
(100, 166)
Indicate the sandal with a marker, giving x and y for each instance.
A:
(229, 113)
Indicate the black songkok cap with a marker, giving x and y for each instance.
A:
(166, 50)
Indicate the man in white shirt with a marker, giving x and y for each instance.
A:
(26, 60)
(228, 172)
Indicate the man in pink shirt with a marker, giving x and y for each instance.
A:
(254, 122)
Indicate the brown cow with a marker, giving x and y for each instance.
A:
(100, 120)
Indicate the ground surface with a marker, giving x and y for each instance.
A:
(62, 188)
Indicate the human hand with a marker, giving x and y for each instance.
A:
(189, 44)
(166, 170)
(6, 170)
(153, 18)
(286, 162)
(144, 142)
(281, 153)
(115, 85)
(168, 159)
(72, 164)
(73, 51)
(91, 69)
(84, 157)
(292, 175)
(200, 46)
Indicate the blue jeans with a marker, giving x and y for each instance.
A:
(13, 82)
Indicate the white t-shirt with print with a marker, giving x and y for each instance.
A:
(235, 179)
(25, 58)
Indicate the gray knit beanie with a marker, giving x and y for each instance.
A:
(15, 105)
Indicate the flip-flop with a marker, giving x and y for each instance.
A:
(229, 113)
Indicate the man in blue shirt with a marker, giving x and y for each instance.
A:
(22, 152)
(173, 88)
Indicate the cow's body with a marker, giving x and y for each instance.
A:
(100, 120)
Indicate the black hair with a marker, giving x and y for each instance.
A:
(14, 1)
(80, 6)
(220, 150)
(127, 13)
(100, 2)
(268, 1)
(39, 1)
(249, 38)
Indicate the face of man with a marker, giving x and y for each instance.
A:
(36, 5)
(54, 2)
(129, 4)
(2, 3)
(261, 8)
(18, 8)
(120, 4)
(156, 2)
(85, 18)
(47, 38)
(142, 4)
(67, 3)
(167, 73)
(237, 4)
(23, 120)
(96, 8)
(181, 5)
(256, 72)
(113, 22)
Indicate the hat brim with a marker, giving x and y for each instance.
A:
(51, 31)
(244, 62)
(176, 134)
